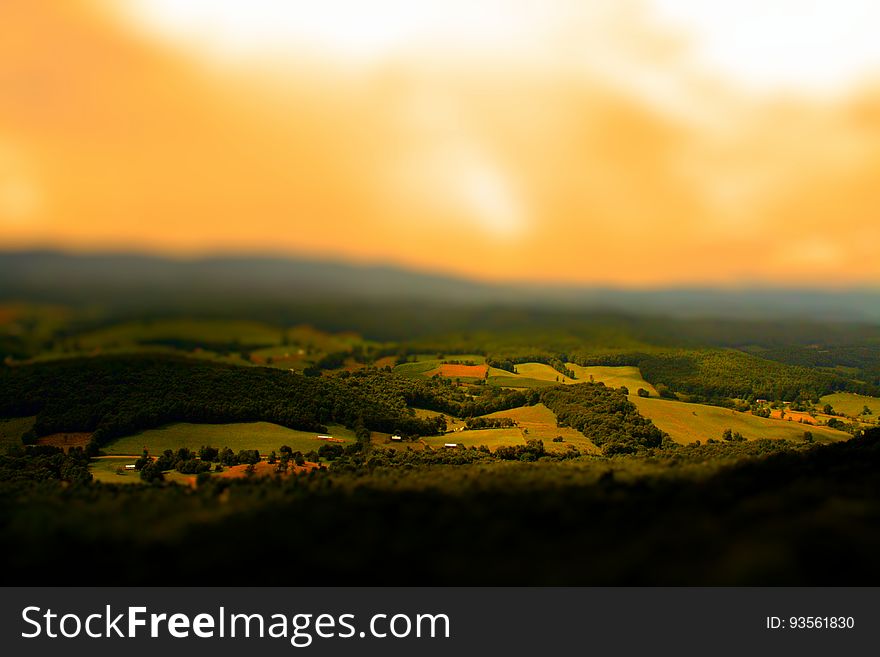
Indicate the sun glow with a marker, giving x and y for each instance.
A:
(337, 28)
(798, 45)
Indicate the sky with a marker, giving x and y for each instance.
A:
(630, 143)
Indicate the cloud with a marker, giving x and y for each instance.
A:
(590, 149)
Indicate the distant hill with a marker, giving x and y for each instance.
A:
(125, 280)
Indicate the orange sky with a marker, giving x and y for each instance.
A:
(581, 144)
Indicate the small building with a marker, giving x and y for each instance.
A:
(760, 401)
(323, 437)
(397, 439)
(450, 445)
(130, 466)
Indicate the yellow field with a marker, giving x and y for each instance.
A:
(852, 404)
(541, 372)
(613, 377)
(687, 423)
(491, 438)
(533, 423)
(540, 422)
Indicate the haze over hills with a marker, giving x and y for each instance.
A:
(150, 281)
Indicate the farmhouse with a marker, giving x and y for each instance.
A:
(130, 466)
(396, 438)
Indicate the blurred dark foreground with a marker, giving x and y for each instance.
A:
(808, 517)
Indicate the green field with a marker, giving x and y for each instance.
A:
(262, 436)
(417, 368)
(424, 363)
(687, 423)
(614, 377)
(852, 404)
(104, 469)
(12, 429)
(110, 470)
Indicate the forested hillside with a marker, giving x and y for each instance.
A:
(116, 396)
(604, 415)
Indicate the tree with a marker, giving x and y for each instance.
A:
(143, 460)
(150, 473)
(641, 392)
(330, 451)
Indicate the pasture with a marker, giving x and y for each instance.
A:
(687, 423)
(427, 413)
(851, 404)
(417, 368)
(613, 377)
(538, 375)
(383, 440)
(514, 381)
(541, 372)
(428, 365)
(110, 470)
(491, 438)
(540, 422)
(262, 436)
